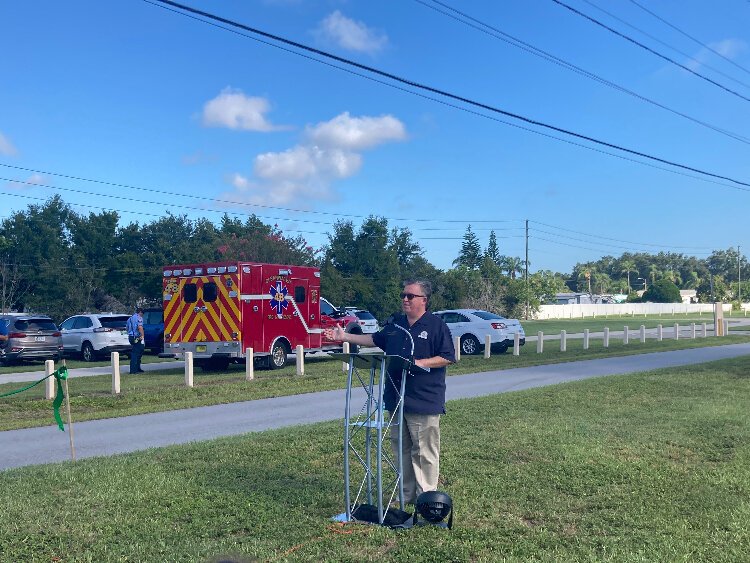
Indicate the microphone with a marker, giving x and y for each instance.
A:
(411, 355)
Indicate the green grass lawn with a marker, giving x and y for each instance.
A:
(163, 390)
(74, 363)
(644, 467)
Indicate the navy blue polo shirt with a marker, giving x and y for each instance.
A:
(424, 392)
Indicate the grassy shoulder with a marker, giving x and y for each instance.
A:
(74, 363)
(163, 390)
(643, 467)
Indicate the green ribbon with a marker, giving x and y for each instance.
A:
(59, 374)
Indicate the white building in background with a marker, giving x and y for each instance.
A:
(689, 295)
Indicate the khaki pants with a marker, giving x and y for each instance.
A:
(421, 453)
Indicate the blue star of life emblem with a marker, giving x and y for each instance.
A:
(278, 298)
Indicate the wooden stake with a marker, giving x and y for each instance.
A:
(70, 421)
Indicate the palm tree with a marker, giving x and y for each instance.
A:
(513, 265)
(653, 271)
(627, 266)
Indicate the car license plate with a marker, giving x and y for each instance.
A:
(200, 348)
(40, 338)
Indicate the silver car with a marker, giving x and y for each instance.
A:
(30, 337)
(95, 335)
(473, 325)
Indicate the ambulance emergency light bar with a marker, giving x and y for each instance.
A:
(199, 271)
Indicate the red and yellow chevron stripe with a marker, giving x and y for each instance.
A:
(203, 321)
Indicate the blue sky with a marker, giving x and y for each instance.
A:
(206, 121)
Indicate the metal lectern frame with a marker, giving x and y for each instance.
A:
(358, 433)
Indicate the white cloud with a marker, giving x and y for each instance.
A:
(352, 35)
(235, 110)
(6, 147)
(307, 162)
(27, 184)
(729, 48)
(239, 181)
(329, 151)
(357, 133)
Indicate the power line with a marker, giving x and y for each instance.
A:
(677, 29)
(615, 239)
(440, 92)
(667, 45)
(597, 250)
(606, 244)
(531, 49)
(649, 49)
(265, 217)
(139, 212)
(230, 202)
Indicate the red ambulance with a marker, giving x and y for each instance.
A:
(219, 310)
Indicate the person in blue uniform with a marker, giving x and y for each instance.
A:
(136, 338)
(424, 394)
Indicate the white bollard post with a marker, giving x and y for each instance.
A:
(625, 335)
(643, 334)
(563, 341)
(249, 364)
(115, 360)
(659, 333)
(726, 328)
(585, 339)
(676, 331)
(49, 383)
(487, 345)
(516, 344)
(692, 330)
(189, 369)
(345, 349)
(539, 342)
(606, 337)
(457, 346)
(300, 354)
(704, 331)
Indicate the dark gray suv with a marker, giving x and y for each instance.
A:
(30, 337)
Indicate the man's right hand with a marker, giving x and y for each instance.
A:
(335, 334)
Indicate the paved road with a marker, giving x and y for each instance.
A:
(113, 436)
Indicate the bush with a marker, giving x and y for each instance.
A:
(663, 291)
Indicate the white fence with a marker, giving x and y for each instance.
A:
(579, 311)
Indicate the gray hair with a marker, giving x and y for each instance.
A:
(424, 284)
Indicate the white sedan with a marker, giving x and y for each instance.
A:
(472, 326)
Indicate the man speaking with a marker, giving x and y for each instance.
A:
(424, 394)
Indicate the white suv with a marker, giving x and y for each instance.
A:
(367, 321)
(95, 335)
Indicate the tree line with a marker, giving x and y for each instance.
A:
(60, 262)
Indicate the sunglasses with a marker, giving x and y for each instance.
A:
(411, 296)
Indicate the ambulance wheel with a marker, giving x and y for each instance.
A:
(279, 356)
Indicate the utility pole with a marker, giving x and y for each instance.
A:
(739, 278)
(526, 271)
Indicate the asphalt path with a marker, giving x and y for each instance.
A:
(127, 434)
